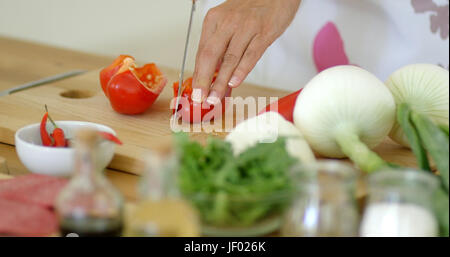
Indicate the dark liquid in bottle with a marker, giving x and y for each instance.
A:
(91, 227)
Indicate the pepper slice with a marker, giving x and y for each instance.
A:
(110, 137)
(284, 106)
(131, 89)
(197, 112)
(107, 73)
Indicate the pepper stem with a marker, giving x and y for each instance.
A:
(50, 118)
(357, 151)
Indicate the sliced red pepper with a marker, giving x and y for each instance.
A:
(284, 106)
(188, 111)
(107, 73)
(45, 137)
(131, 89)
(110, 137)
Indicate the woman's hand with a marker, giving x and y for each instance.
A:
(235, 35)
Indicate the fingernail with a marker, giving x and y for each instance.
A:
(213, 98)
(197, 95)
(234, 81)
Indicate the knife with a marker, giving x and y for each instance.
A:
(41, 82)
(186, 46)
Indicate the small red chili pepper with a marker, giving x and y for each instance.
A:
(45, 137)
(58, 134)
(110, 137)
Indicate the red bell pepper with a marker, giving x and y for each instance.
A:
(284, 106)
(193, 112)
(107, 73)
(131, 89)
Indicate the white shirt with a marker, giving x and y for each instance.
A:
(378, 35)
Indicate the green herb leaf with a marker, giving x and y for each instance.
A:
(229, 190)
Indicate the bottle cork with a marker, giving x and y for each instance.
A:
(3, 166)
(88, 137)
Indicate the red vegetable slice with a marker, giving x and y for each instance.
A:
(131, 89)
(107, 73)
(110, 137)
(284, 106)
(188, 109)
(19, 219)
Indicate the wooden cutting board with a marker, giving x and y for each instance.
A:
(22, 61)
(81, 98)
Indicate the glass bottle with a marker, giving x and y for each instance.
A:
(161, 211)
(89, 205)
(400, 204)
(325, 203)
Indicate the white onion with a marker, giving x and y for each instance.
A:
(345, 107)
(424, 87)
(266, 128)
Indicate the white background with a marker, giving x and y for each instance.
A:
(150, 30)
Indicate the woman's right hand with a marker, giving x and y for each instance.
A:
(235, 35)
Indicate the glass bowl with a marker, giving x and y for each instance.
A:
(224, 214)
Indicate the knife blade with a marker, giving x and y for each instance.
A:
(41, 82)
(183, 64)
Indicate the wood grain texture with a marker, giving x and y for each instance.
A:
(125, 182)
(22, 62)
(4, 176)
(3, 166)
(140, 133)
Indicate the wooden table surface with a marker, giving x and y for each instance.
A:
(81, 98)
(21, 62)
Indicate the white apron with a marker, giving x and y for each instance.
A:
(377, 35)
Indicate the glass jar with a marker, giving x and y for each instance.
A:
(160, 210)
(400, 204)
(89, 205)
(325, 203)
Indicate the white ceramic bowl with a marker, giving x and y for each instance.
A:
(57, 161)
